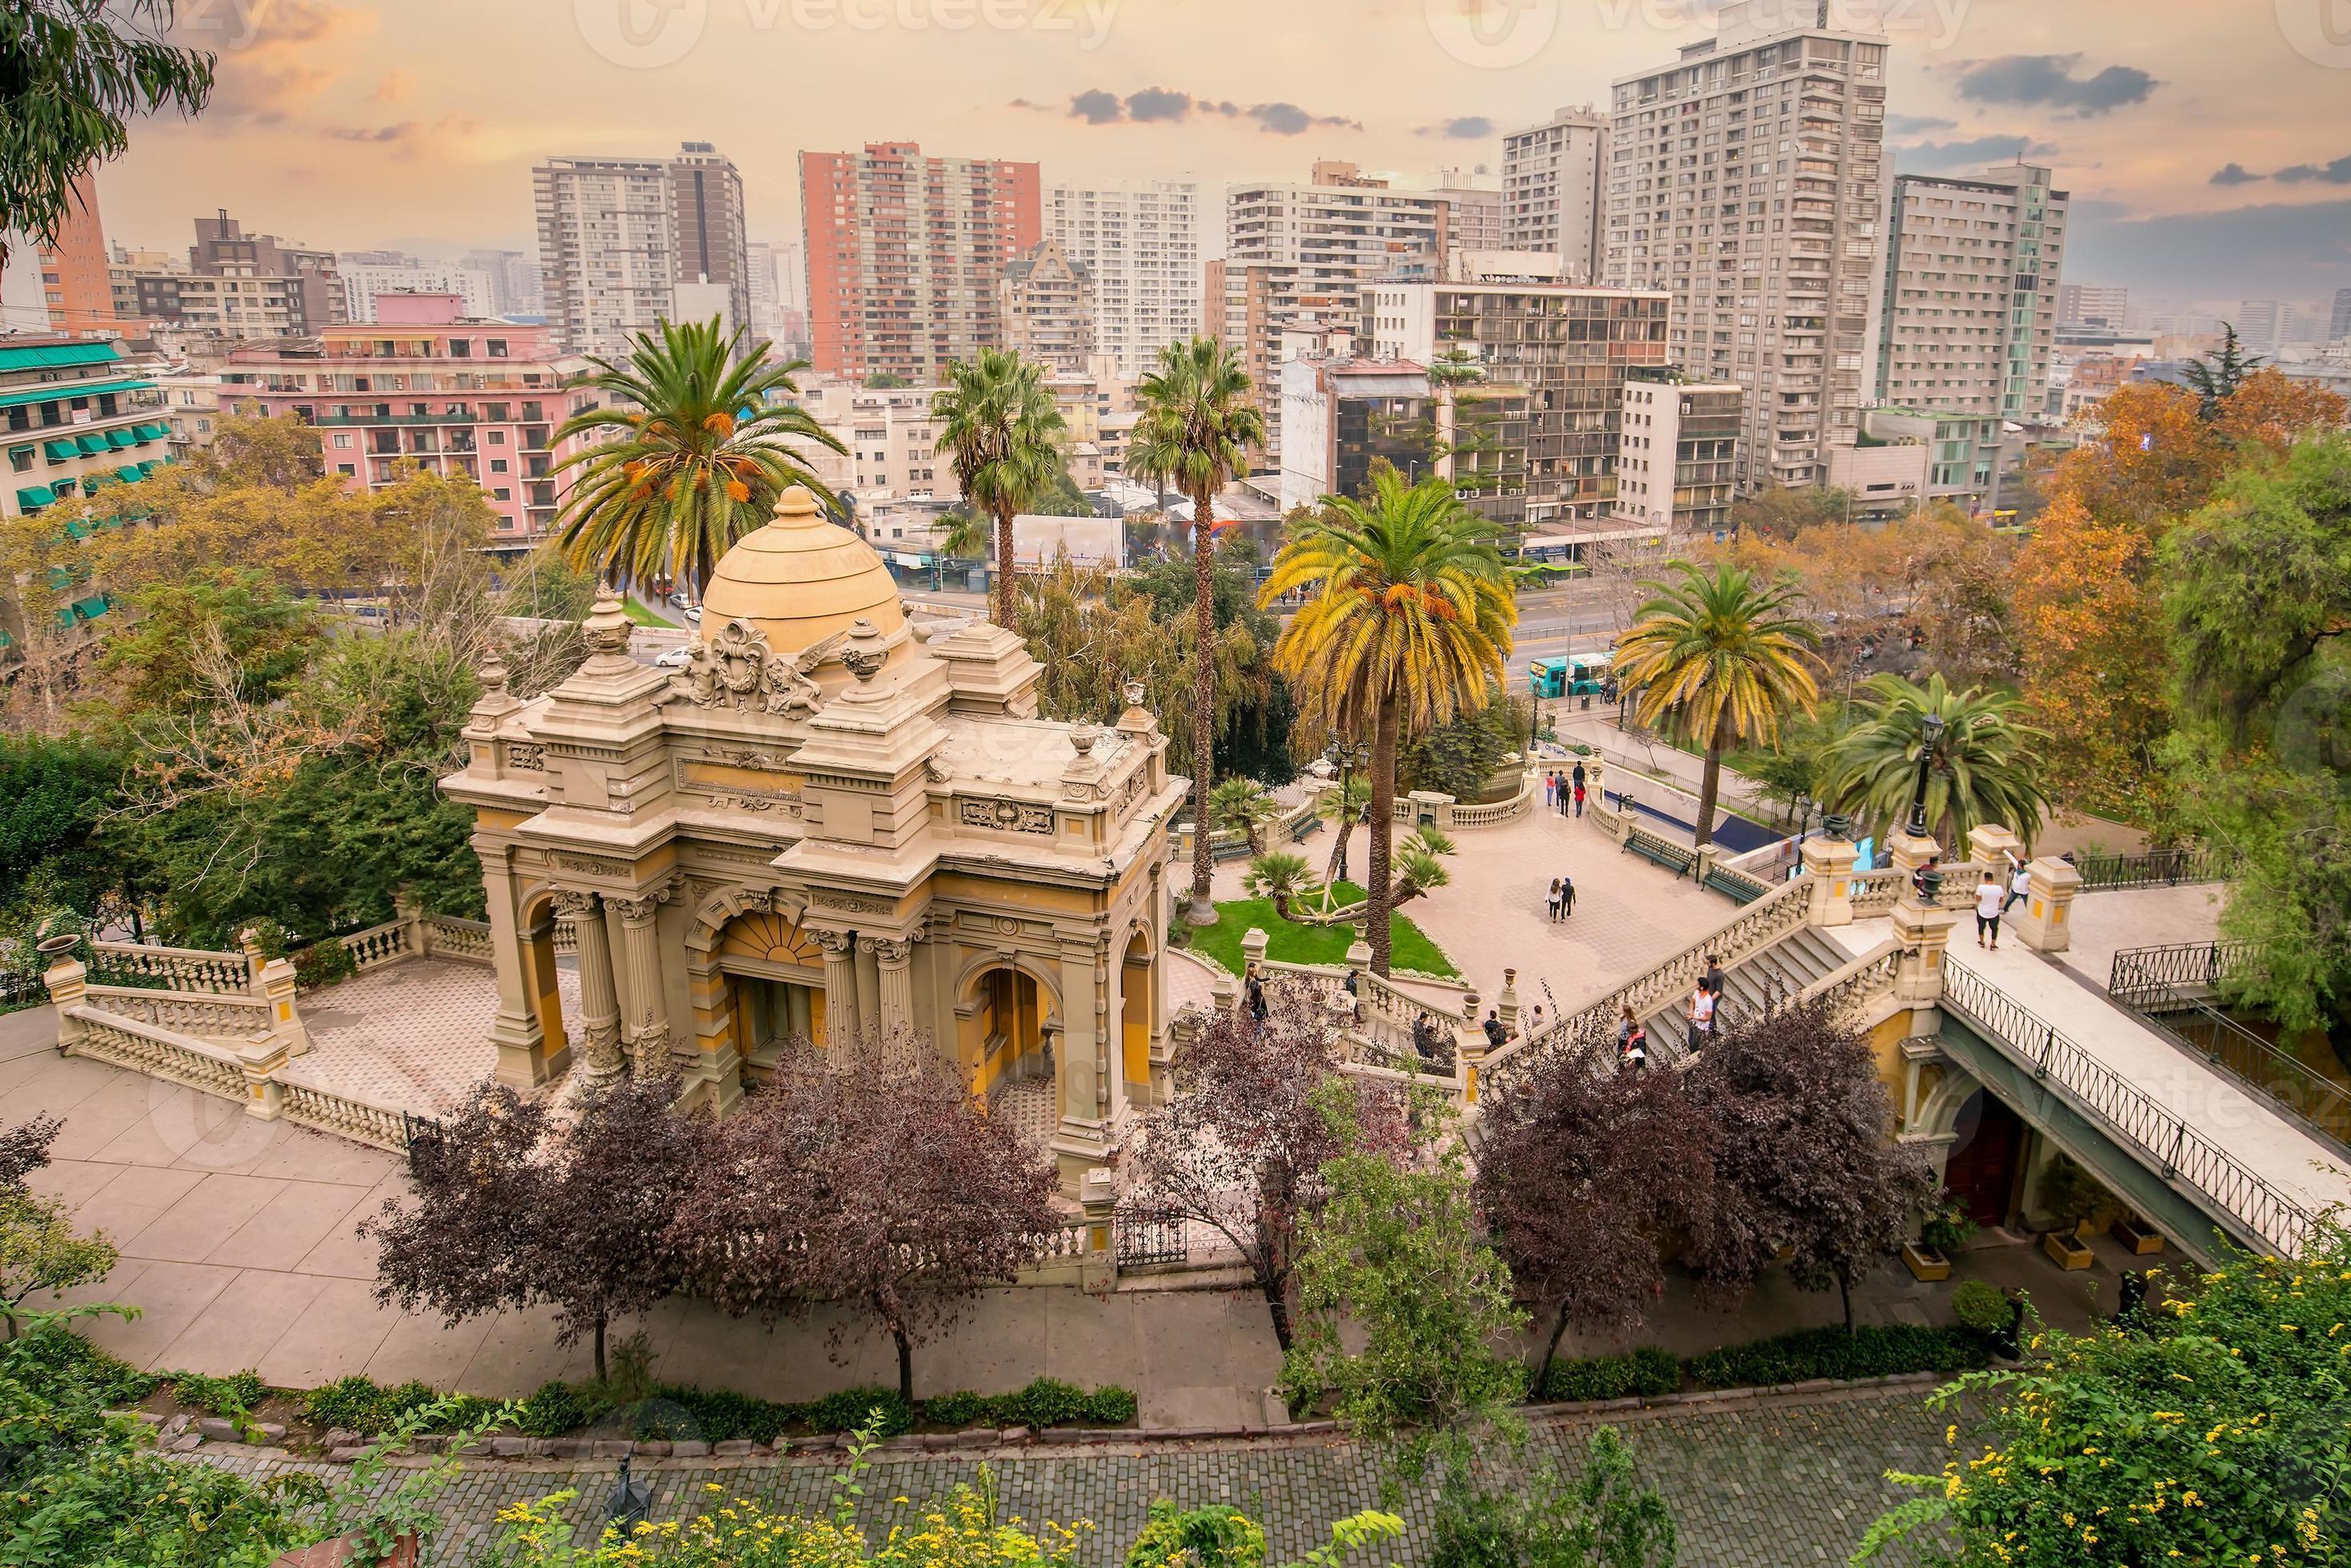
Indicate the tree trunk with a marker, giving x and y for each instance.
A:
(1845, 1288)
(1337, 869)
(599, 1348)
(1204, 706)
(1277, 1302)
(1377, 875)
(1004, 597)
(906, 1362)
(1709, 782)
(1551, 1353)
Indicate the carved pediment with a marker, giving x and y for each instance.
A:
(735, 667)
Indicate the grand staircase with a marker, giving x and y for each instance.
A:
(1753, 987)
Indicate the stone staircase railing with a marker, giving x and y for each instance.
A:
(173, 969)
(361, 1120)
(206, 1014)
(154, 1051)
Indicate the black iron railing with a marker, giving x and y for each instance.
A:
(2162, 1141)
(2156, 868)
(1146, 1237)
(2145, 971)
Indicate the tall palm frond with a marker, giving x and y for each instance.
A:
(1409, 624)
(1001, 432)
(700, 448)
(1985, 765)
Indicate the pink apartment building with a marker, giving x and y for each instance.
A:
(471, 398)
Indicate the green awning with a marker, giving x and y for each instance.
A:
(120, 439)
(146, 468)
(91, 481)
(61, 450)
(81, 527)
(5, 641)
(91, 607)
(155, 432)
(34, 495)
(128, 473)
(66, 617)
(91, 445)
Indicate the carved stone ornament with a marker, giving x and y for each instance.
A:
(736, 668)
(571, 904)
(526, 756)
(1006, 815)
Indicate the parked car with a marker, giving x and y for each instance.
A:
(677, 657)
(694, 613)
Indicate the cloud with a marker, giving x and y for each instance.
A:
(2281, 250)
(271, 60)
(410, 139)
(2233, 175)
(396, 86)
(2048, 81)
(1467, 128)
(1917, 124)
(1171, 106)
(2335, 173)
(1926, 156)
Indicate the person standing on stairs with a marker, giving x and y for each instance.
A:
(1990, 899)
(1701, 1019)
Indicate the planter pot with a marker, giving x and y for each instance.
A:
(2135, 1237)
(2066, 1252)
(1924, 1263)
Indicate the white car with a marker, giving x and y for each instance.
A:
(677, 657)
(694, 613)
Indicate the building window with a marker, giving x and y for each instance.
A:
(342, 441)
(497, 465)
(502, 493)
(498, 348)
(347, 471)
(498, 438)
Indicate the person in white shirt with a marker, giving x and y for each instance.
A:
(2019, 884)
(1991, 898)
(1701, 1018)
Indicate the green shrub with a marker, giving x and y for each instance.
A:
(1872, 1350)
(552, 1412)
(351, 1402)
(238, 1394)
(1647, 1373)
(1216, 1536)
(57, 1367)
(854, 1407)
(723, 1414)
(1979, 1304)
(1047, 1402)
(323, 962)
(960, 1409)
(1110, 1406)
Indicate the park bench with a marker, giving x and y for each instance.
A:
(1672, 856)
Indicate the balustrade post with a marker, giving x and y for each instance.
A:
(1829, 862)
(68, 985)
(275, 984)
(1925, 933)
(1253, 947)
(408, 913)
(249, 941)
(2044, 921)
(1098, 1265)
(1469, 1049)
(1507, 1005)
(1225, 992)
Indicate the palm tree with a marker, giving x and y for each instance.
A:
(1243, 805)
(1420, 864)
(1196, 427)
(698, 458)
(1729, 653)
(963, 537)
(1410, 623)
(1002, 434)
(1984, 767)
(2215, 379)
(1281, 876)
(1343, 807)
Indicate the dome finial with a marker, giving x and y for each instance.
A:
(796, 506)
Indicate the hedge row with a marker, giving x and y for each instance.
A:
(1871, 1350)
(675, 1411)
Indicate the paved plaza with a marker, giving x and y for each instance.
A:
(414, 1035)
(1751, 1484)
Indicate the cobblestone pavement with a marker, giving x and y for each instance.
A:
(410, 1034)
(1764, 1484)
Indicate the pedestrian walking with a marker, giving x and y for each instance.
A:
(1701, 1019)
(1253, 988)
(1551, 789)
(1552, 907)
(1578, 800)
(1566, 897)
(1497, 1036)
(1576, 777)
(1561, 803)
(2020, 884)
(1990, 899)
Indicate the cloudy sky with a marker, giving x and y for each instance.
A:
(2207, 143)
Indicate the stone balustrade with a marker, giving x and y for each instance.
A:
(172, 969)
(159, 1053)
(361, 1120)
(380, 945)
(445, 936)
(202, 1013)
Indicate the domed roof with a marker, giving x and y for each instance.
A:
(801, 578)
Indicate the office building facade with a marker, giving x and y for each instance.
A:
(1553, 176)
(1139, 244)
(1971, 283)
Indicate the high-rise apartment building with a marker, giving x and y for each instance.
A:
(619, 237)
(1047, 307)
(1746, 179)
(906, 254)
(2093, 305)
(1139, 244)
(1568, 348)
(708, 239)
(1677, 455)
(2341, 326)
(604, 238)
(2258, 323)
(1301, 255)
(513, 281)
(1552, 176)
(1971, 281)
(764, 286)
(362, 281)
(74, 285)
(237, 284)
(1473, 216)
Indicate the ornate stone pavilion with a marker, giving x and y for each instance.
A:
(833, 825)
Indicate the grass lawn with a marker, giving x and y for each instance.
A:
(1288, 943)
(643, 614)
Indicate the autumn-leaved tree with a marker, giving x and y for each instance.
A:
(1241, 1151)
(1806, 1159)
(514, 1206)
(1585, 1180)
(865, 1177)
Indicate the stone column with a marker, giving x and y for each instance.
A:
(1989, 843)
(68, 985)
(893, 961)
(1098, 1195)
(275, 982)
(1925, 933)
(600, 1004)
(1830, 863)
(840, 990)
(648, 1024)
(1905, 852)
(1081, 1142)
(2044, 922)
(522, 1045)
(869, 988)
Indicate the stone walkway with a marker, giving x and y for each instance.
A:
(413, 1034)
(1751, 1484)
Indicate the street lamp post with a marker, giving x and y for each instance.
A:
(1932, 731)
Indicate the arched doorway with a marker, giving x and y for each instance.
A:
(775, 983)
(1136, 1023)
(542, 980)
(1987, 1148)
